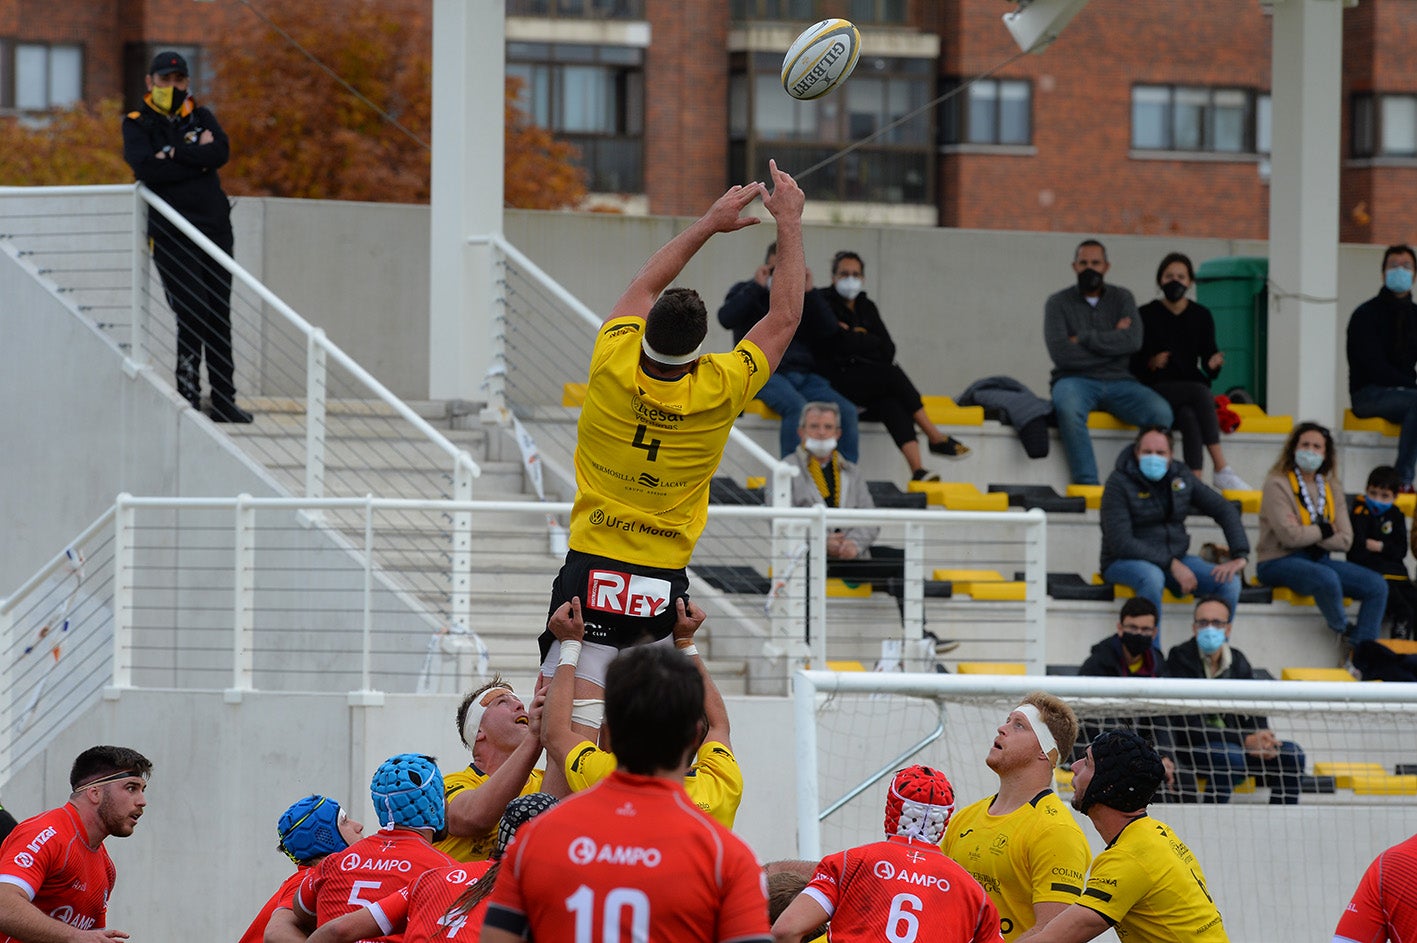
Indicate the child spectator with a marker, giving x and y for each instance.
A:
(1380, 544)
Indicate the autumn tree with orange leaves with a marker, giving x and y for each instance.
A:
(297, 132)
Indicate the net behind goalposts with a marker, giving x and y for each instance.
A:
(1279, 873)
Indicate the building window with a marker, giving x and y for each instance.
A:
(1197, 118)
(592, 97)
(40, 76)
(991, 111)
(579, 9)
(897, 167)
(807, 10)
(1384, 125)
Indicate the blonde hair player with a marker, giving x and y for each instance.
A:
(1045, 860)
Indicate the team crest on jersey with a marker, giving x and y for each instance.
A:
(627, 593)
(748, 360)
(631, 328)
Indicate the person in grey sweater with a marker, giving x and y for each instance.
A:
(1091, 330)
(1144, 540)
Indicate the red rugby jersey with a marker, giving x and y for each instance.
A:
(419, 912)
(49, 858)
(367, 871)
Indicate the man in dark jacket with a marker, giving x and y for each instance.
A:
(175, 146)
(1144, 540)
(797, 380)
(1226, 748)
(1382, 356)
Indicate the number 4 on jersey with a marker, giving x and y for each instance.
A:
(651, 446)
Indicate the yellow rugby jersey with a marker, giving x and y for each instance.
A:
(714, 782)
(646, 448)
(1035, 854)
(1151, 887)
(476, 847)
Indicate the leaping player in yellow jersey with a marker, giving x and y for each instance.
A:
(1022, 844)
(1146, 882)
(656, 416)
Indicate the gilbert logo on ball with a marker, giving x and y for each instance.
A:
(820, 59)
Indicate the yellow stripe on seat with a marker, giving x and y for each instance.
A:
(943, 410)
(1101, 420)
(1314, 674)
(1091, 494)
(1352, 423)
(841, 589)
(991, 668)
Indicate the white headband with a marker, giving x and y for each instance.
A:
(477, 708)
(1040, 729)
(670, 360)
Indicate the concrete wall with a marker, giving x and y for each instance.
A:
(225, 771)
(961, 304)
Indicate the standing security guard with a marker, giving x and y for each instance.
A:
(175, 147)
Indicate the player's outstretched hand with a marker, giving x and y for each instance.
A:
(566, 624)
(100, 936)
(689, 618)
(724, 214)
(786, 199)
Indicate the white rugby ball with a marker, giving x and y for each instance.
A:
(820, 59)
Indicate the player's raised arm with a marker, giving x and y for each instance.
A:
(666, 264)
(774, 332)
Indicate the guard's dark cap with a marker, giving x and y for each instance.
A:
(168, 62)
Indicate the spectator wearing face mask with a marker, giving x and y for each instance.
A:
(1382, 356)
(1380, 544)
(859, 360)
(1144, 540)
(1178, 359)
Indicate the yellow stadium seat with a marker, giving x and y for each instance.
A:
(1285, 594)
(1407, 504)
(1126, 592)
(844, 665)
(1344, 773)
(991, 668)
(1385, 785)
(960, 496)
(1314, 674)
(1100, 420)
(573, 394)
(757, 407)
(1063, 780)
(1253, 419)
(1008, 591)
(1091, 494)
(840, 589)
(1249, 500)
(1403, 646)
(982, 584)
(957, 576)
(943, 411)
(1247, 786)
(754, 482)
(1352, 423)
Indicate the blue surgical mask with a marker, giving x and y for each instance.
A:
(1398, 280)
(1153, 467)
(1307, 461)
(1210, 639)
(1379, 508)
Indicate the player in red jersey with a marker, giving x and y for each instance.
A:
(309, 830)
(1385, 905)
(632, 853)
(901, 889)
(443, 904)
(407, 791)
(55, 874)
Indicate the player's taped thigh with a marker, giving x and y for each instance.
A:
(588, 711)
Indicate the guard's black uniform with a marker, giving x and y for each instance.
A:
(198, 290)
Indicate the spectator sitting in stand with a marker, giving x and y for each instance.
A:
(1380, 544)
(859, 360)
(1226, 748)
(797, 379)
(1382, 356)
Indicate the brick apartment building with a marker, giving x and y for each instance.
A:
(1146, 116)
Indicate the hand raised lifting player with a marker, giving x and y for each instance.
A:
(634, 855)
(1146, 882)
(656, 416)
(903, 888)
(55, 874)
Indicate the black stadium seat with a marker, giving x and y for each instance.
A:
(1042, 497)
(1072, 586)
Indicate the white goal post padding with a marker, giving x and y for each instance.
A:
(1278, 873)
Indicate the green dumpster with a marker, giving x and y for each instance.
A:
(1233, 288)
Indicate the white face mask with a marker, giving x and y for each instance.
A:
(821, 448)
(848, 287)
(769, 284)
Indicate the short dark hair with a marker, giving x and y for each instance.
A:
(772, 251)
(1385, 477)
(1138, 606)
(677, 323)
(103, 762)
(1285, 463)
(1170, 259)
(654, 702)
(1229, 613)
(845, 254)
(1145, 431)
(1399, 249)
(1090, 242)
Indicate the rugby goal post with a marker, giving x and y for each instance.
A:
(1278, 872)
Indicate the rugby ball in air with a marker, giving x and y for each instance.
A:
(820, 59)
